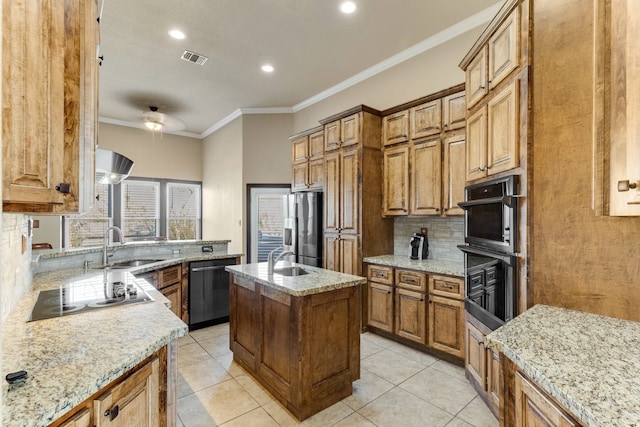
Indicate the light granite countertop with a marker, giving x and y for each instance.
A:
(589, 363)
(70, 358)
(437, 266)
(317, 281)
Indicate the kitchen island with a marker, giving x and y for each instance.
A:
(299, 336)
(574, 367)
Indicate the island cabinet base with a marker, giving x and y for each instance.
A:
(305, 350)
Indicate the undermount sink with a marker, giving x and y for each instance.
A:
(290, 271)
(131, 263)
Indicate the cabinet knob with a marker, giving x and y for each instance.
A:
(446, 125)
(437, 210)
(626, 185)
(481, 87)
(64, 188)
(446, 209)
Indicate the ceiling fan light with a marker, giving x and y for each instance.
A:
(153, 125)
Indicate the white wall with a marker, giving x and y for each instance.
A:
(222, 192)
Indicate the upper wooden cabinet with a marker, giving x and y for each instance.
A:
(435, 178)
(496, 83)
(395, 128)
(49, 105)
(342, 132)
(307, 151)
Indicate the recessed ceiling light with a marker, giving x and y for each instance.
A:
(267, 68)
(348, 7)
(177, 34)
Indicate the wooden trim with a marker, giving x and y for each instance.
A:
(428, 98)
(354, 110)
(306, 132)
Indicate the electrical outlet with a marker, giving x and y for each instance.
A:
(423, 230)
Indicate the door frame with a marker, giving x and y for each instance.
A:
(248, 212)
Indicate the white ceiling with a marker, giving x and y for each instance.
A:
(315, 49)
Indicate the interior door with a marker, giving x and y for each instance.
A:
(266, 215)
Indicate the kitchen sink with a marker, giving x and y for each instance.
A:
(290, 271)
(131, 263)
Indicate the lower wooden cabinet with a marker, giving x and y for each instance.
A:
(534, 408)
(399, 302)
(169, 282)
(139, 398)
(341, 253)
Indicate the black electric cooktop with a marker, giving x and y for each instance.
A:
(89, 293)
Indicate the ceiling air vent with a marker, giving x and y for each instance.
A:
(194, 57)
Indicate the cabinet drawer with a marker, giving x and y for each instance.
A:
(446, 286)
(491, 275)
(412, 280)
(380, 274)
(169, 276)
(476, 282)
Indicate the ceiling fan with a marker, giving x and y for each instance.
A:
(155, 120)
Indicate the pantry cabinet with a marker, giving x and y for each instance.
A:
(352, 229)
(49, 105)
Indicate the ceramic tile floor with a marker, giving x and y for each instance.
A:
(399, 386)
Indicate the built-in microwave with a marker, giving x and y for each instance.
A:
(491, 214)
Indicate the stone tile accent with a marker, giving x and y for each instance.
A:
(444, 235)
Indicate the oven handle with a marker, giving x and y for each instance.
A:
(506, 200)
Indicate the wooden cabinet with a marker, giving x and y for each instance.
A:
(380, 290)
(169, 282)
(139, 397)
(446, 314)
(494, 89)
(304, 350)
(434, 171)
(534, 408)
(395, 128)
(395, 178)
(307, 151)
(482, 365)
(133, 402)
(411, 305)
(49, 105)
(353, 230)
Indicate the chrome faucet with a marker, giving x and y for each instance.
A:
(271, 262)
(106, 242)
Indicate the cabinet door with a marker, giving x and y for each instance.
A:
(454, 111)
(395, 178)
(350, 260)
(350, 192)
(331, 252)
(454, 175)
(332, 192)
(380, 304)
(300, 174)
(316, 145)
(426, 178)
(476, 78)
(81, 419)
(493, 378)
(395, 128)
(475, 354)
(300, 149)
(502, 130)
(411, 310)
(244, 318)
(350, 130)
(477, 145)
(316, 173)
(174, 294)
(504, 49)
(426, 119)
(133, 402)
(446, 325)
(332, 136)
(534, 408)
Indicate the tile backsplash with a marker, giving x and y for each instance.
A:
(16, 266)
(444, 235)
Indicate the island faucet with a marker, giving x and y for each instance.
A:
(106, 242)
(271, 262)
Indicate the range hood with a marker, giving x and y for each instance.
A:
(111, 167)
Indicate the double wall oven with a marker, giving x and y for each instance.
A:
(491, 260)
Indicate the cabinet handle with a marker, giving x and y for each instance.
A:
(446, 209)
(446, 125)
(388, 292)
(481, 87)
(626, 185)
(488, 167)
(437, 209)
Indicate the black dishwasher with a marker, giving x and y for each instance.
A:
(208, 293)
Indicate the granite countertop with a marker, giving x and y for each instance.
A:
(169, 261)
(437, 266)
(589, 363)
(317, 281)
(72, 357)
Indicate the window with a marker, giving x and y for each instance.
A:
(144, 208)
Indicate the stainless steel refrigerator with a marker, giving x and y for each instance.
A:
(303, 227)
